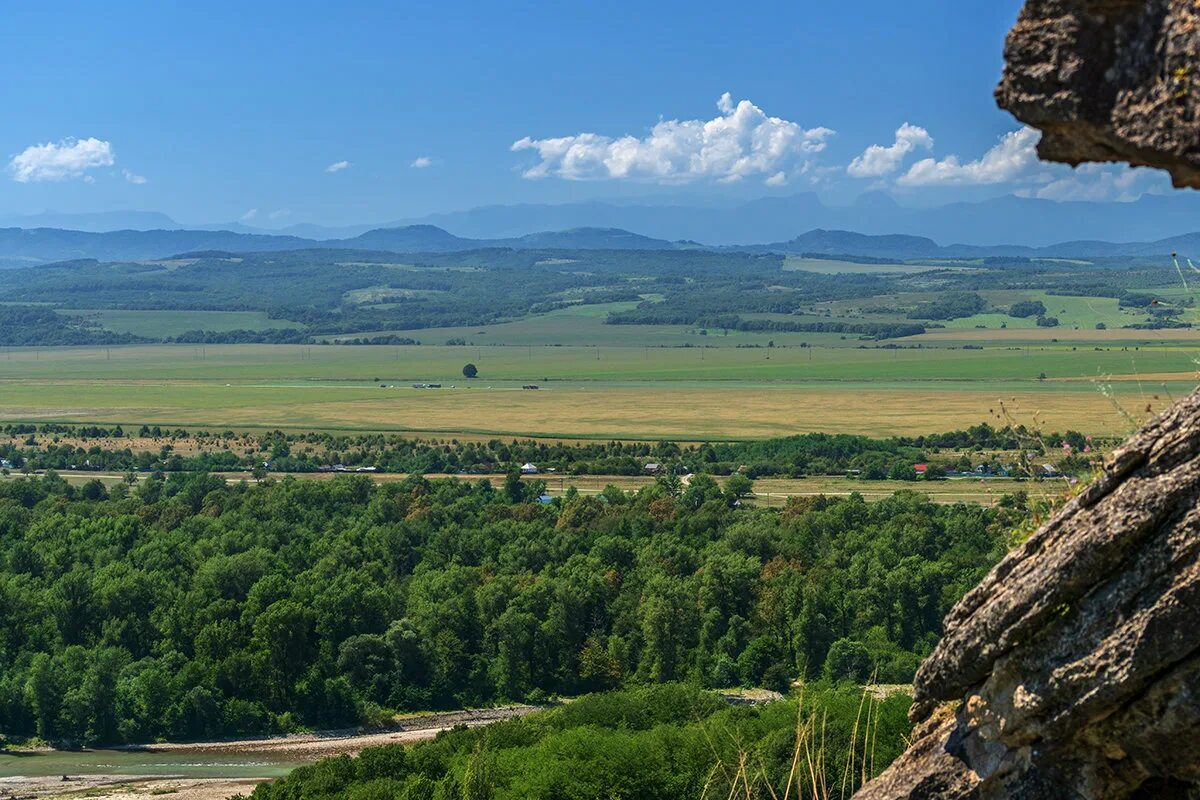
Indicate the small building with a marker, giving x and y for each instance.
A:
(652, 468)
(545, 499)
(920, 469)
(529, 469)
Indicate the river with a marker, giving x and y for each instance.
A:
(208, 770)
(148, 763)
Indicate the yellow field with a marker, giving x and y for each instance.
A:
(613, 392)
(607, 411)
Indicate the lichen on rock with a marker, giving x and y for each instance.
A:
(1109, 80)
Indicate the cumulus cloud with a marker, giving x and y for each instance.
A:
(421, 162)
(877, 160)
(1011, 159)
(69, 158)
(133, 177)
(337, 166)
(741, 142)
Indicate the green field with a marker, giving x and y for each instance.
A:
(606, 392)
(583, 326)
(834, 267)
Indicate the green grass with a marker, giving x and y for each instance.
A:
(727, 365)
(583, 326)
(157, 324)
(831, 266)
(629, 392)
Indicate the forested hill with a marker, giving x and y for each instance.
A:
(322, 604)
(22, 247)
(25, 247)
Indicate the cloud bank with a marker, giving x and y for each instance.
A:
(69, 158)
(741, 142)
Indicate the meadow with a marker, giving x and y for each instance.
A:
(598, 392)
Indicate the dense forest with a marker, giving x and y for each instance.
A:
(656, 743)
(61, 447)
(188, 608)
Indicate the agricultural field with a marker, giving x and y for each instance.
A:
(686, 345)
(607, 392)
(833, 266)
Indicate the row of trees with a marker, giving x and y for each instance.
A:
(66, 447)
(189, 608)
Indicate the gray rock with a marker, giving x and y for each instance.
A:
(1109, 80)
(1073, 669)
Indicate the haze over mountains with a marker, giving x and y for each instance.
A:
(875, 225)
(1002, 220)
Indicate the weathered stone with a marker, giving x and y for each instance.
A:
(1109, 80)
(1073, 669)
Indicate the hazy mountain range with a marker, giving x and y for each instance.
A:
(874, 226)
(30, 246)
(1008, 220)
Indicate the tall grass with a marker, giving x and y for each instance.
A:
(823, 765)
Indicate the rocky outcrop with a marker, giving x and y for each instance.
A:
(1073, 669)
(1109, 80)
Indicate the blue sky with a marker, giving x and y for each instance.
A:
(216, 111)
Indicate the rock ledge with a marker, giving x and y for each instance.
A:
(1109, 80)
(1073, 669)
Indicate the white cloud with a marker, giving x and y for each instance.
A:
(422, 162)
(1010, 160)
(1099, 183)
(878, 160)
(133, 177)
(742, 142)
(249, 215)
(778, 179)
(337, 166)
(70, 158)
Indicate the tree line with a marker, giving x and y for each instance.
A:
(39, 447)
(188, 608)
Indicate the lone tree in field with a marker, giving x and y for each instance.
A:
(470, 371)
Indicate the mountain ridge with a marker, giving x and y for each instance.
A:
(26, 247)
(1007, 219)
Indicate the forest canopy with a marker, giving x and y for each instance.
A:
(190, 608)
